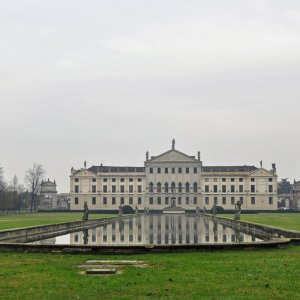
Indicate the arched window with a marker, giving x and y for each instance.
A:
(158, 187)
(179, 187)
(187, 187)
(151, 187)
(173, 187)
(195, 187)
(166, 188)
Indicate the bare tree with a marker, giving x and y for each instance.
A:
(3, 186)
(33, 179)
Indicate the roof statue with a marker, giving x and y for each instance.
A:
(173, 144)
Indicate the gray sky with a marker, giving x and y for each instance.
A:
(104, 81)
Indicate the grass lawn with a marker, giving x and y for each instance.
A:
(244, 274)
(33, 219)
(284, 220)
(258, 274)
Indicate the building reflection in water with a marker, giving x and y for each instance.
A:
(160, 230)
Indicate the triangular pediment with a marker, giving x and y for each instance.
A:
(84, 172)
(172, 156)
(261, 172)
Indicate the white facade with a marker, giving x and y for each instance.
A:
(173, 178)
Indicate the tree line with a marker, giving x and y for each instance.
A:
(16, 196)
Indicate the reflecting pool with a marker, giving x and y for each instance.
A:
(155, 230)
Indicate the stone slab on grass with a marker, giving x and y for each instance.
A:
(100, 271)
(116, 262)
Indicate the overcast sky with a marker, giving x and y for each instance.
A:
(105, 81)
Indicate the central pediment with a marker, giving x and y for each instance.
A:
(172, 156)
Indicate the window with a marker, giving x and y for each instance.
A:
(113, 179)
(179, 170)
(242, 200)
(166, 170)
(94, 200)
(139, 200)
(179, 200)
(158, 200)
(206, 179)
(207, 189)
(270, 200)
(130, 200)
(76, 200)
(122, 180)
(207, 200)
(195, 200)
(252, 188)
(122, 189)
(131, 188)
(113, 188)
(241, 179)
(195, 187)
(270, 188)
(130, 179)
(223, 179)
(252, 179)
(195, 170)
(187, 170)
(232, 200)
(166, 200)
(187, 187)
(252, 200)
(104, 200)
(173, 170)
(223, 188)
(93, 179)
(179, 187)
(104, 179)
(122, 202)
(173, 187)
(216, 200)
(224, 200)
(166, 188)
(241, 188)
(232, 188)
(270, 179)
(76, 188)
(139, 189)
(187, 200)
(158, 187)
(76, 179)
(215, 179)
(105, 189)
(93, 189)
(113, 200)
(158, 170)
(151, 170)
(232, 179)
(215, 188)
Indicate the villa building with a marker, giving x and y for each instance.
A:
(173, 179)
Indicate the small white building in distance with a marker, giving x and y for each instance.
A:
(172, 178)
(48, 195)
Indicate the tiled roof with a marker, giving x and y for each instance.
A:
(229, 168)
(111, 169)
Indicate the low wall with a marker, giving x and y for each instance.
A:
(46, 231)
(260, 230)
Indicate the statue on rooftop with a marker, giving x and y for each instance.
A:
(173, 144)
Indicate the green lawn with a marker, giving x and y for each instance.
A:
(284, 220)
(259, 274)
(244, 274)
(33, 219)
